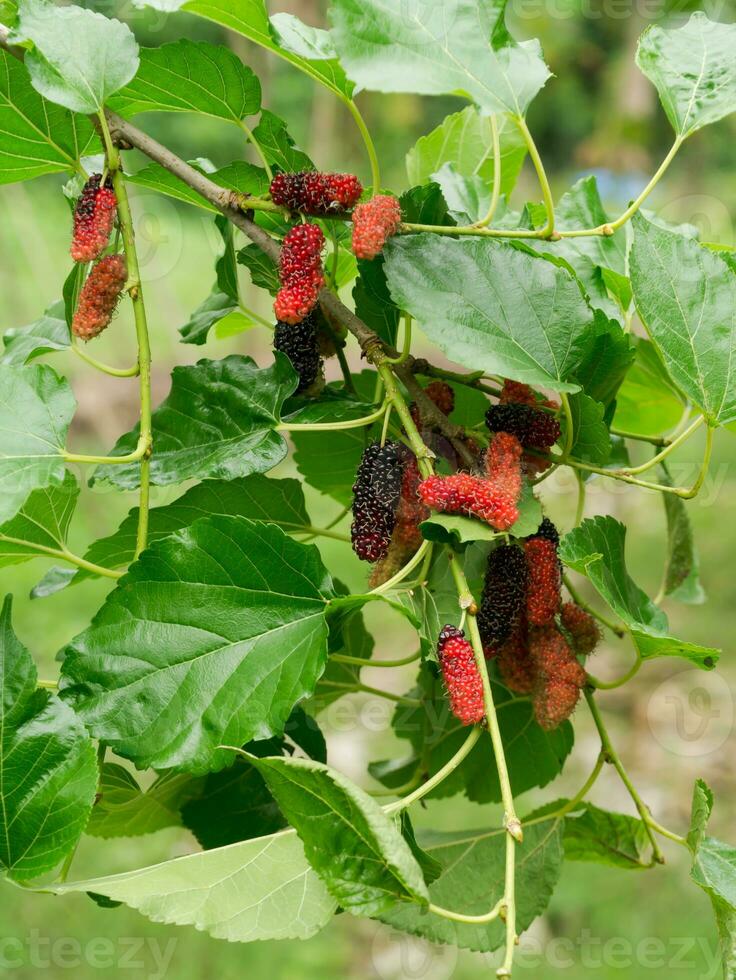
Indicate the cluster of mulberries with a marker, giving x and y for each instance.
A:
(99, 297)
(406, 538)
(374, 223)
(376, 495)
(527, 416)
(559, 677)
(492, 498)
(316, 193)
(94, 216)
(300, 273)
(300, 343)
(581, 628)
(461, 675)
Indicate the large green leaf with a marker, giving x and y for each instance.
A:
(219, 421)
(694, 327)
(591, 440)
(78, 58)
(357, 850)
(125, 810)
(41, 523)
(648, 403)
(596, 549)
(36, 407)
(607, 362)
(36, 137)
(212, 637)
(493, 307)
(49, 333)
(603, 837)
(694, 70)
(472, 881)
(189, 76)
(257, 497)
(257, 889)
(278, 146)
(464, 140)
(458, 47)
(48, 771)
(682, 566)
(213, 310)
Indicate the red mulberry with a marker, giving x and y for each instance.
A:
(515, 663)
(516, 393)
(300, 344)
(374, 223)
(461, 676)
(473, 496)
(406, 538)
(582, 628)
(547, 530)
(300, 273)
(534, 428)
(99, 297)
(316, 193)
(441, 394)
(376, 494)
(504, 595)
(503, 465)
(544, 581)
(560, 678)
(94, 216)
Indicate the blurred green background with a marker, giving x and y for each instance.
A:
(671, 725)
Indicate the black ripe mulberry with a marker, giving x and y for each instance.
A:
(94, 216)
(534, 428)
(300, 343)
(376, 495)
(504, 595)
(547, 530)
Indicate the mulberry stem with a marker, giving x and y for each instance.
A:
(370, 148)
(441, 774)
(496, 193)
(130, 372)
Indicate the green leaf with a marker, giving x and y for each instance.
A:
(348, 636)
(226, 267)
(454, 48)
(125, 810)
(239, 176)
(596, 549)
(48, 333)
(591, 439)
(648, 403)
(373, 303)
(694, 70)
(615, 839)
(42, 522)
(219, 421)
(431, 868)
(48, 770)
(216, 307)
(694, 328)
(257, 889)
(189, 76)
(472, 881)
(279, 148)
(78, 58)
(212, 637)
(534, 757)
(464, 140)
(604, 367)
(36, 408)
(682, 567)
(490, 306)
(263, 270)
(351, 843)
(36, 137)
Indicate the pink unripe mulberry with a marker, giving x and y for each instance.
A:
(461, 676)
(583, 629)
(374, 223)
(94, 216)
(543, 582)
(99, 297)
(473, 496)
(560, 678)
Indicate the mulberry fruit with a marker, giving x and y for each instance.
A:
(300, 273)
(544, 581)
(504, 595)
(99, 297)
(376, 495)
(300, 344)
(547, 530)
(94, 216)
(534, 428)
(516, 393)
(406, 538)
(473, 496)
(316, 193)
(374, 223)
(441, 394)
(560, 678)
(503, 466)
(581, 627)
(461, 676)
(516, 664)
